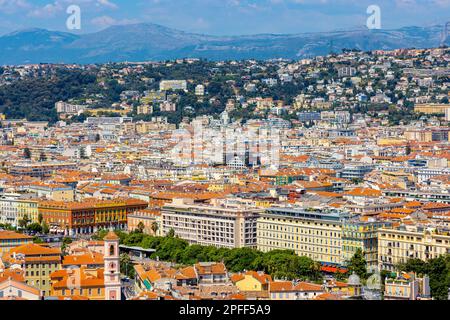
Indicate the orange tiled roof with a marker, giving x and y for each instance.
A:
(306, 286)
(92, 258)
(214, 268)
(364, 192)
(10, 235)
(281, 286)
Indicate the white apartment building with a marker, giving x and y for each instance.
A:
(220, 224)
(9, 209)
(165, 85)
(200, 90)
(63, 107)
(14, 206)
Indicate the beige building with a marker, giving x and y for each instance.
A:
(407, 287)
(364, 236)
(313, 234)
(151, 220)
(145, 109)
(431, 108)
(38, 262)
(219, 224)
(399, 244)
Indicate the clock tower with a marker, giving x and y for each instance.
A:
(112, 267)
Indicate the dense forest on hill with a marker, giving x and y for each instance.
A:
(35, 98)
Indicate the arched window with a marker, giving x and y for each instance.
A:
(111, 250)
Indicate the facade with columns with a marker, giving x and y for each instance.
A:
(86, 217)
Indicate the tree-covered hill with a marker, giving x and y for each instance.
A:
(34, 98)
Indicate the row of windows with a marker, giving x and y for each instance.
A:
(82, 291)
(284, 245)
(315, 240)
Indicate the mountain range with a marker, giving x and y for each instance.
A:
(151, 42)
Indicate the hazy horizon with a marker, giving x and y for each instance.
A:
(222, 17)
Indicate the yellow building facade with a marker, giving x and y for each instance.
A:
(313, 234)
(432, 108)
(398, 245)
(38, 262)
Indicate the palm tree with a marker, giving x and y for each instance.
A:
(155, 227)
(141, 227)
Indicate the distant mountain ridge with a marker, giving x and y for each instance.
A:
(152, 42)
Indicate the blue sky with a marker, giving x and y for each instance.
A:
(223, 17)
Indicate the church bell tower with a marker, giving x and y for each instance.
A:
(112, 267)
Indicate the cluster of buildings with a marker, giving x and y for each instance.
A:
(90, 270)
(324, 175)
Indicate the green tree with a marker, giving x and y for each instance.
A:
(34, 227)
(417, 266)
(134, 239)
(439, 273)
(241, 259)
(171, 233)
(45, 228)
(37, 240)
(408, 150)
(140, 227)
(66, 241)
(357, 264)
(40, 218)
(126, 266)
(23, 223)
(155, 227)
(27, 153)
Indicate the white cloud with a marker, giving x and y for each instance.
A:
(13, 6)
(107, 3)
(107, 21)
(48, 10)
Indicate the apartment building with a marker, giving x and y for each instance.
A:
(432, 108)
(39, 170)
(68, 108)
(399, 244)
(13, 207)
(9, 240)
(361, 235)
(219, 224)
(52, 191)
(314, 234)
(151, 220)
(87, 282)
(407, 287)
(418, 195)
(38, 262)
(72, 218)
(166, 85)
